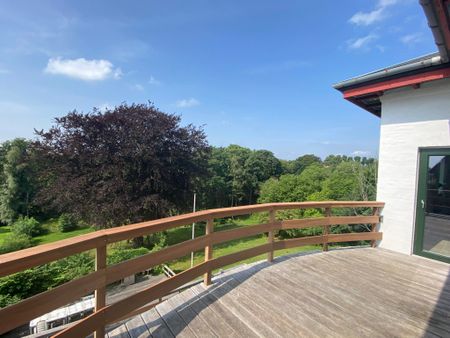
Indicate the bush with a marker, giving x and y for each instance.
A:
(72, 267)
(6, 300)
(26, 283)
(67, 222)
(15, 242)
(125, 254)
(27, 226)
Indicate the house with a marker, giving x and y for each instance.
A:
(412, 100)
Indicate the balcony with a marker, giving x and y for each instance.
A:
(342, 292)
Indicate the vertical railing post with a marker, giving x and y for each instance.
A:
(100, 293)
(270, 235)
(375, 212)
(326, 230)
(208, 251)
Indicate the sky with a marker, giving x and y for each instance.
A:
(254, 73)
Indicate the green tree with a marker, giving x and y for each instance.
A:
(120, 166)
(17, 180)
(260, 166)
(303, 162)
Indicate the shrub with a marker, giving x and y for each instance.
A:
(72, 267)
(26, 226)
(125, 254)
(6, 300)
(26, 283)
(67, 222)
(15, 242)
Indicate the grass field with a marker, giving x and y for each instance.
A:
(52, 233)
(184, 233)
(176, 236)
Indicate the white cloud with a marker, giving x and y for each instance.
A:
(366, 19)
(187, 103)
(361, 153)
(363, 42)
(4, 71)
(154, 81)
(87, 70)
(378, 14)
(411, 39)
(139, 87)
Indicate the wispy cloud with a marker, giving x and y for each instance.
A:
(362, 43)
(376, 15)
(87, 70)
(361, 153)
(154, 81)
(411, 39)
(187, 103)
(138, 87)
(4, 71)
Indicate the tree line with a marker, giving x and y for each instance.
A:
(135, 162)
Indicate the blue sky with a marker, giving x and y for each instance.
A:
(254, 73)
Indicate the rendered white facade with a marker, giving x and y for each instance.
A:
(410, 118)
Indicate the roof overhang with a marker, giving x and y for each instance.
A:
(438, 16)
(366, 90)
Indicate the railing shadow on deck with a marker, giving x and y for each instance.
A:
(441, 312)
(105, 314)
(222, 286)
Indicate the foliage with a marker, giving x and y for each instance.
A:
(14, 242)
(121, 255)
(342, 178)
(27, 226)
(6, 300)
(121, 166)
(67, 222)
(156, 241)
(26, 283)
(71, 267)
(29, 282)
(17, 179)
(303, 162)
(235, 174)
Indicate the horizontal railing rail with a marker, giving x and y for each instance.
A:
(30, 308)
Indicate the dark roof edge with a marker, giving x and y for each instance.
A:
(426, 61)
(433, 22)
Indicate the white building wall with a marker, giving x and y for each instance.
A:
(411, 118)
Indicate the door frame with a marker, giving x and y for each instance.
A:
(422, 195)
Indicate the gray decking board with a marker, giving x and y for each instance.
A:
(360, 292)
(155, 325)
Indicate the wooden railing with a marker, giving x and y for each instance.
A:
(30, 308)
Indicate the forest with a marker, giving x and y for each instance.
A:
(133, 163)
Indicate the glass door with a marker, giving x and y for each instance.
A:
(432, 234)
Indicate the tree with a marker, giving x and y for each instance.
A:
(17, 179)
(260, 166)
(303, 162)
(124, 165)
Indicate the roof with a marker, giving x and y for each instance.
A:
(419, 63)
(365, 90)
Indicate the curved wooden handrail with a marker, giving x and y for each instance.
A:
(104, 275)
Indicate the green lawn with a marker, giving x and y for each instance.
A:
(4, 232)
(178, 235)
(52, 234)
(184, 233)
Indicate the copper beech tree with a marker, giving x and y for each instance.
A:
(120, 166)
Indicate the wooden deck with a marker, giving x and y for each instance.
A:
(360, 292)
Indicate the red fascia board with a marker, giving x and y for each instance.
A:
(397, 83)
(440, 6)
